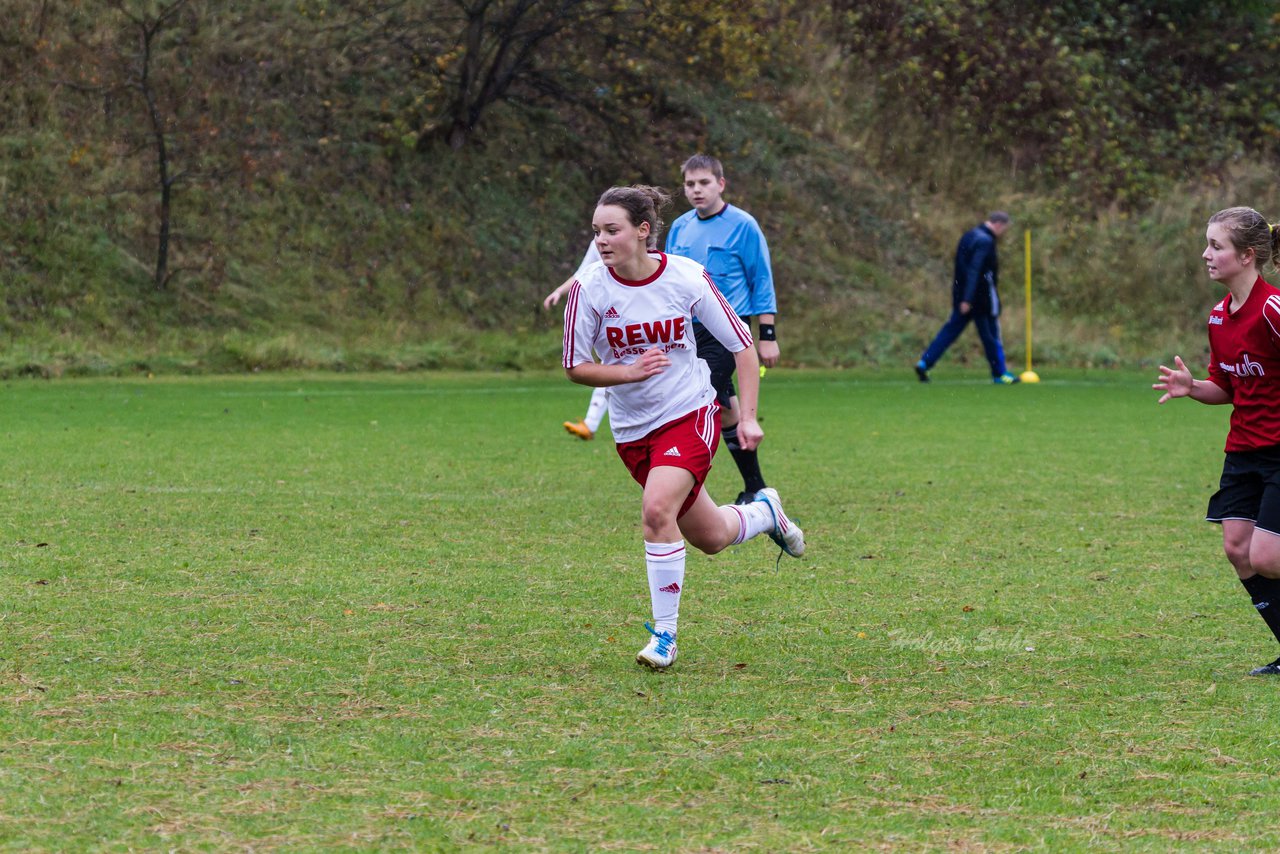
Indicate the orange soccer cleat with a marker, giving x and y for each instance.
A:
(579, 429)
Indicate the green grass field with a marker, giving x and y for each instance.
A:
(382, 612)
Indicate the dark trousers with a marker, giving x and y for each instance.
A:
(988, 330)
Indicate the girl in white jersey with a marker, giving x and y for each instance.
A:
(634, 312)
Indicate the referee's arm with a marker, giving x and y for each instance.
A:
(766, 340)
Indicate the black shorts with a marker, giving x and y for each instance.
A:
(719, 360)
(1249, 489)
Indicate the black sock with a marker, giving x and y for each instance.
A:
(1265, 593)
(748, 462)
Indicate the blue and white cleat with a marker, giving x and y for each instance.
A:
(660, 652)
(785, 533)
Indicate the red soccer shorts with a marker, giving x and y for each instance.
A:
(688, 443)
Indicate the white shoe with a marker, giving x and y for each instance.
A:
(785, 533)
(660, 652)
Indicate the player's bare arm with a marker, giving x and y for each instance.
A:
(654, 361)
(1178, 382)
(553, 298)
(748, 369)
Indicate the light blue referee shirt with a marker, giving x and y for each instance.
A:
(732, 247)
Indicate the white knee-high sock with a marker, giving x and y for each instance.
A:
(665, 562)
(596, 409)
(753, 519)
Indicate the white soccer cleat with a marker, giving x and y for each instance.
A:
(660, 652)
(785, 533)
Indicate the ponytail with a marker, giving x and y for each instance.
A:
(642, 204)
(1247, 230)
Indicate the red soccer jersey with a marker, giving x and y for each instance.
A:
(1244, 360)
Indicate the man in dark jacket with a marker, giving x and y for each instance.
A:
(974, 297)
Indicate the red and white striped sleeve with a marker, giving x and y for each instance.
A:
(714, 312)
(581, 323)
(1271, 316)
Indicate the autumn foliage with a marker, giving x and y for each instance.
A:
(367, 158)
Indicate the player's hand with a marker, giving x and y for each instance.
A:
(653, 362)
(553, 298)
(749, 434)
(1174, 382)
(768, 353)
(965, 308)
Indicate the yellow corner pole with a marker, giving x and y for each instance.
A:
(1029, 376)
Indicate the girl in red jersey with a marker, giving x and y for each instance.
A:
(1244, 370)
(635, 313)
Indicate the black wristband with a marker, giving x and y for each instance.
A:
(768, 332)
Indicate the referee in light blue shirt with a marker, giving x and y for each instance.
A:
(729, 243)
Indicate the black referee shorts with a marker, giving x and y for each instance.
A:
(719, 360)
(1249, 489)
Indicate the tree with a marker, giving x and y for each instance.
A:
(448, 63)
(149, 27)
(1109, 96)
(497, 47)
(134, 61)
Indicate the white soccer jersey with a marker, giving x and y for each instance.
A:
(618, 320)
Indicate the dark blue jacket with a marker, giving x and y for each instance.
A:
(977, 272)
